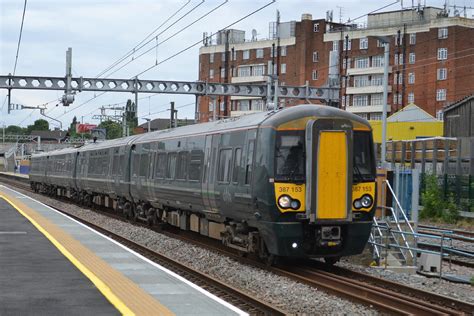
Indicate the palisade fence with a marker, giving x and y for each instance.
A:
(450, 160)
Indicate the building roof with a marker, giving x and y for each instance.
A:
(411, 113)
(50, 135)
(458, 103)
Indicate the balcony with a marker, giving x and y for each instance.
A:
(367, 109)
(249, 79)
(367, 71)
(367, 90)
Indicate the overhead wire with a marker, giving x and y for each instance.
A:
(180, 52)
(17, 48)
(140, 46)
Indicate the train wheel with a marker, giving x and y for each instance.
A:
(330, 261)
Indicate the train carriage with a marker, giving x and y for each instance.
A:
(298, 182)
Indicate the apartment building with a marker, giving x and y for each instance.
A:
(431, 62)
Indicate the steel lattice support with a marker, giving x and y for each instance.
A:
(78, 84)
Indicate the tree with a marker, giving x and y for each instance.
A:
(14, 130)
(72, 127)
(38, 125)
(114, 129)
(131, 115)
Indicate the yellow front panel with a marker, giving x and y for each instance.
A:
(361, 189)
(294, 191)
(331, 198)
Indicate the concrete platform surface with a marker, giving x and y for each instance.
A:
(99, 274)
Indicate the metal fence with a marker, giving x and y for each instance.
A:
(458, 187)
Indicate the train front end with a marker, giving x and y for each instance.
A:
(324, 186)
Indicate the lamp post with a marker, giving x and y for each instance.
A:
(386, 42)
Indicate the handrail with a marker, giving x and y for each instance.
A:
(377, 252)
(400, 206)
(399, 228)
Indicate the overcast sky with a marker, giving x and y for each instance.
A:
(101, 31)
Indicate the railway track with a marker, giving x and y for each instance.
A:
(382, 294)
(461, 233)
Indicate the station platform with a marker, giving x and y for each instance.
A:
(15, 175)
(54, 265)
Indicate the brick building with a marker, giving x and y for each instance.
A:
(431, 62)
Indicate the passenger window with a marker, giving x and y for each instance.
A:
(136, 163)
(248, 168)
(195, 165)
(171, 168)
(237, 164)
(225, 160)
(160, 168)
(182, 166)
(144, 164)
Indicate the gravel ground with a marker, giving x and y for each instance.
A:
(458, 244)
(463, 292)
(291, 296)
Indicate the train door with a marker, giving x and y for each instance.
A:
(328, 169)
(208, 180)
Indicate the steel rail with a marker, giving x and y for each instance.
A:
(373, 291)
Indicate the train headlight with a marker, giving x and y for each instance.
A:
(366, 201)
(295, 204)
(284, 201)
(357, 204)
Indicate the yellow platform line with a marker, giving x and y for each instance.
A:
(139, 302)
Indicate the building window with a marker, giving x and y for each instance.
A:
(376, 99)
(397, 78)
(343, 81)
(360, 100)
(222, 72)
(343, 100)
(361, 62)
(439, 115)
(380, 43)
(411, 78)
(361, 81)
(283, 50)
(233, 55)
(315, 57)
(443, 32)
(397, 98)
(398, 39)
(347, 44)
(258, 70)
(441, 95)
(211, 73)
(442, 74)
(246, 54)
(411, 58)
(211, 58)
(244, 71)
(283, 69)
(413, 39)
(376, 80)
(315, 75)
(377, 61)
(273, 51)
(375, 116)
(335, 46)
(411, 97)
(442, 53)
(346, 63)
(316, 27)
(364, 43)
(223, 56)
(398, 59)
(259, 53)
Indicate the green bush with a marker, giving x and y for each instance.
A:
(435, 206)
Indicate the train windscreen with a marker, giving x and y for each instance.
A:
(364, 167)
(290, 157)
